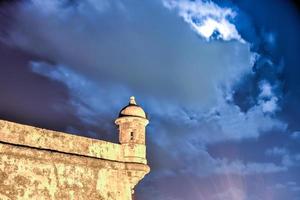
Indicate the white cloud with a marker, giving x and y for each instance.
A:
(280, 186)
(277, 151)
(295, 135)
(291, 186)
(206, 18)
(241, 168)
(267, 98)
(291, 183)
(270, 106)
(49, 7)
(266, 89)
(110, 46)
(223, 122)
(237, 124)
(287, 158)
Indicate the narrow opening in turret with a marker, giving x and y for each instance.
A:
(131, 136)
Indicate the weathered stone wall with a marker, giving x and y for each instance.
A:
(41, 164)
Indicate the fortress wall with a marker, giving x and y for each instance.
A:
(46, 139)
(39, 164)
(27, 173)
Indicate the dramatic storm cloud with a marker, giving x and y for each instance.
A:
(211, 76)
(207, 18)
(115, 44)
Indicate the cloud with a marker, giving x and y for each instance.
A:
(48, 8)
(224, 121)
(291, 186)
(287, 158)
(276, 151)
(266, 89)
(233, 193)
(197, 128)
(207, 18)
(194, 76)
(295, 135)
(97, 103)
(240, 168)
(104, 52)
(162, 57)
(181, 121)
(267, 99)
(94, 105)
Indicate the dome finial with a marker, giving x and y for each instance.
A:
(132, 110)
(132, 100)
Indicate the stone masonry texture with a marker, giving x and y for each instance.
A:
(41, 164)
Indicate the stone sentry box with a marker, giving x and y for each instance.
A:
(42, 164)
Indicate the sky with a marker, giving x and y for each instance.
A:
(218, 79)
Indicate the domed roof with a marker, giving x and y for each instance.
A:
(133, 110)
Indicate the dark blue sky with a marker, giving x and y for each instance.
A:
(218, 79)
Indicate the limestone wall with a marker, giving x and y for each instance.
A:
(41, 164)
